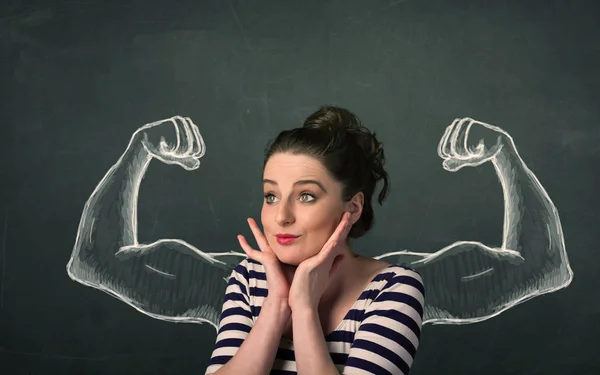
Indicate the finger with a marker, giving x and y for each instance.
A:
(177, 135)
(458, 139)
(469, 149)
(258, 235)
(465, 140)
(186, 134)
(186, 163)
(338, 236)
(163, 146)
(347, 228)
(443, 147)
(200, 147)
(252, 254)
(168, 157)
(440, 148)
(455, 164)
(341, 228)
(326, 250)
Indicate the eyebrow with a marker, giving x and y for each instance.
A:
(299, 182)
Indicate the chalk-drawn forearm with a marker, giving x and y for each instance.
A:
(468, 281)
(168, 279)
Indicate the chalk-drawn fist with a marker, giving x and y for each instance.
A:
(175, 140)
(469, 143)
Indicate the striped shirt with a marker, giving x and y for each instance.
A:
(379, 334)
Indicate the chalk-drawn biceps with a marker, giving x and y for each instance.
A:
(160, 273)
(478, 260)
(172, 258)
(467, 282)
(475, 251)
(478, 275)
(231, 258)
(168, 279)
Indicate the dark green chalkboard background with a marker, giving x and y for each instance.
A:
(79, 77)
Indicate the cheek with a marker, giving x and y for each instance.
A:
(266, 221)
(323, 227)
(264, 218)
(269, 227)
(330, 219)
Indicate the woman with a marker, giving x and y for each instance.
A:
(172, 280)
(306, 303)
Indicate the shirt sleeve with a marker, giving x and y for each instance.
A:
(236, 318)
(387, 339)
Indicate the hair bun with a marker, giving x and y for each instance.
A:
(332, 118)
(337, 119)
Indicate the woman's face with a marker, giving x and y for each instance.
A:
(301, 199)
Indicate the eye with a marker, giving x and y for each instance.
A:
(267, 197)
(307, 195)
(304, 197)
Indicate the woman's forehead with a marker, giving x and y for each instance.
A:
(289, 168)
(289, 164)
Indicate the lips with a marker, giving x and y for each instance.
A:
(286, 239)
(286, 236)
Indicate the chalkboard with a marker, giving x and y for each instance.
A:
(90, 87)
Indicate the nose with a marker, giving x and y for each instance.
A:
(284, 215)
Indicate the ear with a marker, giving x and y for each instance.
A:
(355, 206)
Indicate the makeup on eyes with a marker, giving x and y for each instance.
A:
(302, 194)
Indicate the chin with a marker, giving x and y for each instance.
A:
(290, 259)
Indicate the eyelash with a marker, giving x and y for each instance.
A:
(301, 194)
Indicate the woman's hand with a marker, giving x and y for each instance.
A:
(278, 277)
(313, 274)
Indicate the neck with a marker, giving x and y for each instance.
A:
(342, 277)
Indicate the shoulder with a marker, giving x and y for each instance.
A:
(400, 284)
(249, 274)
(397, 275)
(249, 269)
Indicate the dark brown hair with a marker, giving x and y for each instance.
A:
(347, 149)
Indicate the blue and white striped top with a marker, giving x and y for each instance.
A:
(379, 334)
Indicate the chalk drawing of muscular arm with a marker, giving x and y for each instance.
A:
(168, 279)
(172, 280)
(467, 281)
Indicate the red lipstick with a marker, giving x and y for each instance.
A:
(285, 238)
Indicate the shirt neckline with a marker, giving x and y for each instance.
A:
(353, 307)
